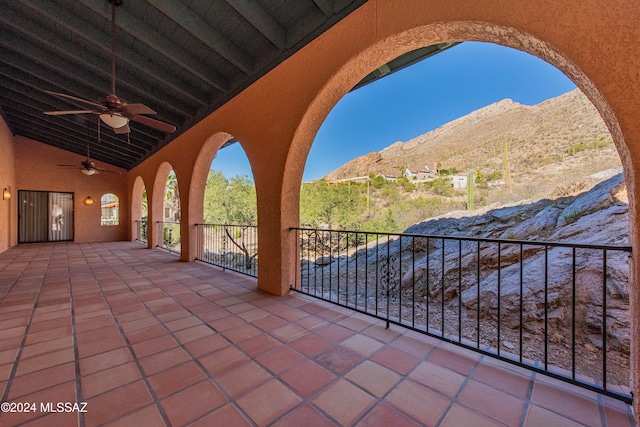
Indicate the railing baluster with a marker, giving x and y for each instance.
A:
(478, 299)
(428, 288)
(388, 290)
(400, 279)
(413, 282)
(339, 256)
(573, 314)
(442, 294)
(346, 285)
(366, 274)
(459, 290)
(499, 292)
(521, 300)
(546, 307)
(604, 319)
(357, 269)
(377, 269)
(322, 264)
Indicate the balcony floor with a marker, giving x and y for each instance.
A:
(147, 340)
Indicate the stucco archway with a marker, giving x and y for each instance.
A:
(156, 201)
(198, 183)
(136, 205)
(391, 47)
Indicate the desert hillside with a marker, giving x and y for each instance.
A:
(537, 136)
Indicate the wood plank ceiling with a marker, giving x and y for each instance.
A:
(182, 58)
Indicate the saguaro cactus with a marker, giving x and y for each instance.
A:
(471, 186)
(507, 169)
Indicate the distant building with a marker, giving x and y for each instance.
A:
(420, 173)
(459, 181)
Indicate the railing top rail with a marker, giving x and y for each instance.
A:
(168, 222)
(230, 225)
(476, 239)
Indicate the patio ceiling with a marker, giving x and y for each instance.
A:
(184, 59)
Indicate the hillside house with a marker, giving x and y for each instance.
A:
(420, 173)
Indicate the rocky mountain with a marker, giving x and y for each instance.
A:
(536, 136)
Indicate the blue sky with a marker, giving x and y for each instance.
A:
(416, 100)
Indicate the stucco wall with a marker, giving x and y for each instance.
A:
(38, 170)
(8, 214)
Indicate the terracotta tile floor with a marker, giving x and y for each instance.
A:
(146, 340)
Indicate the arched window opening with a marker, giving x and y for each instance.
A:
(110, 210)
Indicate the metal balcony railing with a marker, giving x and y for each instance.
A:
(232, 247)
(169, 233)
(558, 309)
(141, 230)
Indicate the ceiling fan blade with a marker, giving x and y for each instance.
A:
(153, 123)
(137, 109)
(106, 170)
(61, 113)
(122, 130)
(73, 98)
(71, 166)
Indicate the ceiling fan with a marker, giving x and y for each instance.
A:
(112, 110)
(88, 167)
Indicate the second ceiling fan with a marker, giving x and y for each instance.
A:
(113, 111)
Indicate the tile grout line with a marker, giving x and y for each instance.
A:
(454, 399)
(527, 400)
(76, 354)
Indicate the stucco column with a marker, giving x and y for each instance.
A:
(276, 256)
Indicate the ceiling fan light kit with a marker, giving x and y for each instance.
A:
(115, 121)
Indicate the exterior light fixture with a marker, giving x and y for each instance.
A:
(6, 195)
(88, 172)
(116, 121)
(88, 201)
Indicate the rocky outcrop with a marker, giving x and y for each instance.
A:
(508, 280)
(597, 217)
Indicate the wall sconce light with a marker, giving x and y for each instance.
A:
(88, 201)
(6, 195)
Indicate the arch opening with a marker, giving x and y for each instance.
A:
(139, 211)
(228, 235)
(603, 142)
